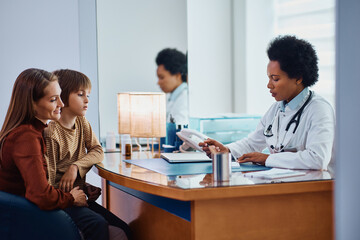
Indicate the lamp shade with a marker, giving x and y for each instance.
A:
(142, 114)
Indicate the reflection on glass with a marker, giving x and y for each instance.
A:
(130, 35)
(172, 79)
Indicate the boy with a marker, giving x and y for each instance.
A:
(72, 149)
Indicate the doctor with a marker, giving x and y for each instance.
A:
(172, 75)
(298, 129)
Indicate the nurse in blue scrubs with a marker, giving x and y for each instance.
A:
(298, 129)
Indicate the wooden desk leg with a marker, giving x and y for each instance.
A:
(105, 193)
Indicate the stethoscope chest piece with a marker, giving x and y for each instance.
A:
(268, 132)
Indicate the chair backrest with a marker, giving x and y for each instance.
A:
(21, 219)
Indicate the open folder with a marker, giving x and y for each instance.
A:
(185, 157)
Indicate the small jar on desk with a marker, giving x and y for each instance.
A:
(126, 147)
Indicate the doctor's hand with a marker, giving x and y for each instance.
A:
(219, 147)
(254, 157)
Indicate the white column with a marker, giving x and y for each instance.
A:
(88, 57)
(210, 56)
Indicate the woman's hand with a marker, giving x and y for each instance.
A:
(254, 157)
(79, 197)
(219, 147)
(68, 179)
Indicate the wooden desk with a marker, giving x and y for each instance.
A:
(193, 207)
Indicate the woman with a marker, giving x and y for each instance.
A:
(298, 129)
(172, 74)
(35, 100)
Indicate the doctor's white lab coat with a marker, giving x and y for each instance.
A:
(309, 148)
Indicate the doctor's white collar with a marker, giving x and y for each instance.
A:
(296, 101)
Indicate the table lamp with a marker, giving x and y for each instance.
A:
(142, 114)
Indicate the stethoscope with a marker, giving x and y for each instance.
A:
(294, 120)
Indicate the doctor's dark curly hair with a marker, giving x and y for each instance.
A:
(296, 57)
(174, 61)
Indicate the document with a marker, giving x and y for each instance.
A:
(275, 173)
(185, 157)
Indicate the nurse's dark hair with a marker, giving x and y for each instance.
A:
(28, 89)
(296, 57)
(174, 61)
(71, 81)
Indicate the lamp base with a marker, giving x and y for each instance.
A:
(138, 144)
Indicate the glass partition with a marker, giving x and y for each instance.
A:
(130, 35)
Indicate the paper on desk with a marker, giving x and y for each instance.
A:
(235, 165)
(275, 173)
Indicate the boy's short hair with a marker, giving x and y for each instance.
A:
(71, 81)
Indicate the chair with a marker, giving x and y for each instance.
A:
(21, 219)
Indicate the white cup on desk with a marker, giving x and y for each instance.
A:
(110, 144)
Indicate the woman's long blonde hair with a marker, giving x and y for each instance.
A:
(28, 89)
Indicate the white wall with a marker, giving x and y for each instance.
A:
(33, 35)
(46, 34)
(39, 34)
(227, 55)
(347, 190)
(239, 67)
(253, 30)
(259, 32)
(210, 55)
(130, 34)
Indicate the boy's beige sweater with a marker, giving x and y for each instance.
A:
(65, 146)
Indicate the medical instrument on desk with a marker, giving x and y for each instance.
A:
(295, 119)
